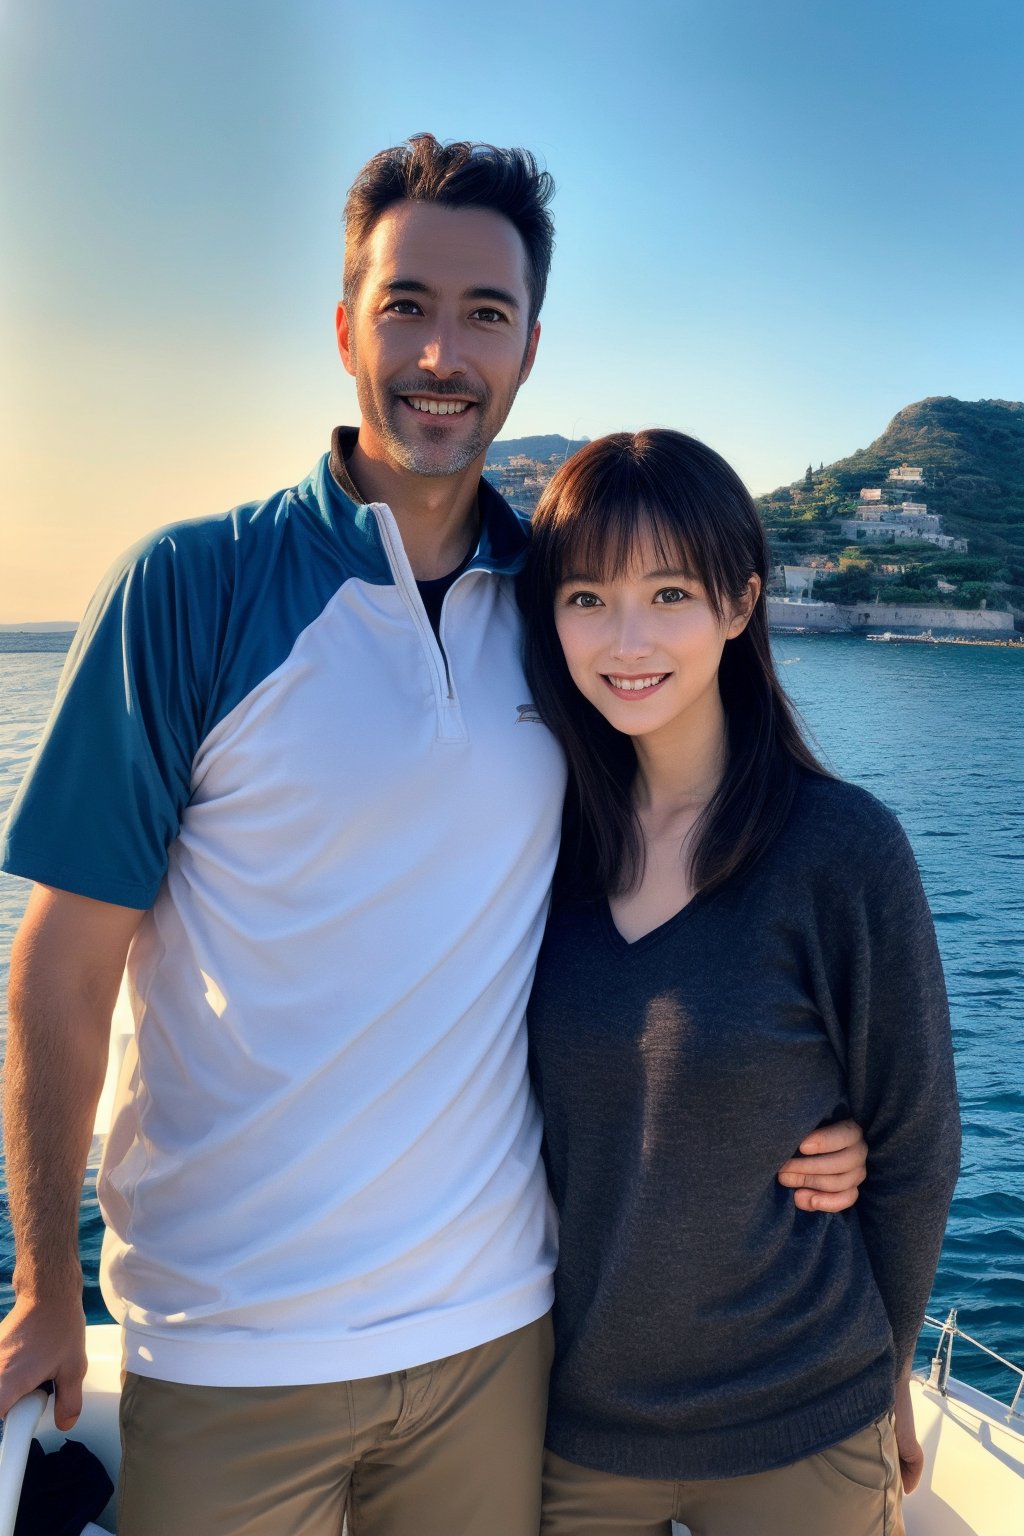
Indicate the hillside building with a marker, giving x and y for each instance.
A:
(868, 530)
(945, 541)
(799, 580)
(876, 522)
(914, 515)
(907, 474)
(521, 479)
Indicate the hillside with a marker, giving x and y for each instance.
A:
(541, 448)
(972, 454)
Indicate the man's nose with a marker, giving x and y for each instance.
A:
(442, 355)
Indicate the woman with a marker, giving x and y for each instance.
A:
(739, 950)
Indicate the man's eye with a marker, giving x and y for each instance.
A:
(490, 316)
(671, 595)
(403, 307)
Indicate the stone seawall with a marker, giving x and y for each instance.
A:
(956, 621)
(829, 618)
(912, 618)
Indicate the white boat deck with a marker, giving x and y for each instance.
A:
(974, 1475)
(973, 1483)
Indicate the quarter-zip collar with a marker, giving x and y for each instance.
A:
(504, 532)
(375, 552)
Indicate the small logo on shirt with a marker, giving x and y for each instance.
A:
(526, 714)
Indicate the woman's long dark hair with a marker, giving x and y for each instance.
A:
(591, 518)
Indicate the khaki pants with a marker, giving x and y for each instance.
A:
(452, 1448)
(850, 1489)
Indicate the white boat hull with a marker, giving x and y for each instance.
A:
(974, 1465)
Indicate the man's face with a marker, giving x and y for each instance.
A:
(437, 336)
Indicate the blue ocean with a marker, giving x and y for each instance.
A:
(937, 732)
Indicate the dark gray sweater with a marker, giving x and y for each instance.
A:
(704, 1326)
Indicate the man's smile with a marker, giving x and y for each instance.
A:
(432, 407)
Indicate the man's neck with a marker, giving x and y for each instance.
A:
(437, 515)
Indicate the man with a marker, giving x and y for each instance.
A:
(292, 771)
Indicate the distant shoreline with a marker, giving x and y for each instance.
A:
(42, 627)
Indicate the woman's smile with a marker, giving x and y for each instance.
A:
(635, 687)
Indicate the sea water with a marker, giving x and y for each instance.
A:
(936, 732)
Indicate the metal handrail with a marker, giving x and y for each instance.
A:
(938, 1376)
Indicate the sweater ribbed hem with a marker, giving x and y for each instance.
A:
(695, 1455)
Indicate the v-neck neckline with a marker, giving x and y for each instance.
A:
(622, 945)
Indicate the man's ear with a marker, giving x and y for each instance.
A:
(744, 607)
(344, 334)
(530, 353)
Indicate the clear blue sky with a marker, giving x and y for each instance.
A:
(778, 223)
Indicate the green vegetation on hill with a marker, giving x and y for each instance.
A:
(972, 454)
(541, 448)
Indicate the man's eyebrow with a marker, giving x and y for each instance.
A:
(415, 285)
(497, 295)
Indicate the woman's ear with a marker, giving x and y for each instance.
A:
(743, 607)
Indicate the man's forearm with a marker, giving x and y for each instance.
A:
(56, 1056)
(66, 966)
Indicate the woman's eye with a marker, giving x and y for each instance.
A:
(670, 595)
(583, 600)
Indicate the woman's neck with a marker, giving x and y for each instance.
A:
(679, 769)
(678, 772)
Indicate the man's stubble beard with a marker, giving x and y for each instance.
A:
(419, 459)
(414, 458)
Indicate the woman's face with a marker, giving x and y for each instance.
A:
(644, 646)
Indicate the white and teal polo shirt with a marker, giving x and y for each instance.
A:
(324, 1161)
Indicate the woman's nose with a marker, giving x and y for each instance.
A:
(632, 638)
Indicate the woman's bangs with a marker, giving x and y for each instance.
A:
(607, 538)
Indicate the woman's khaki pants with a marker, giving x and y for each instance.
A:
(851, 1489)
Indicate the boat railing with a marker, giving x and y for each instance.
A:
(938, 1375)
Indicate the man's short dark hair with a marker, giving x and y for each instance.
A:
(458, 175)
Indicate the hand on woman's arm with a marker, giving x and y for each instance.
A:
(831, 1168)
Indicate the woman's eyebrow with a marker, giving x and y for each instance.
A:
(662, 573)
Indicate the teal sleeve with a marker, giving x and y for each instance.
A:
(184, 627)
(105, 792)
